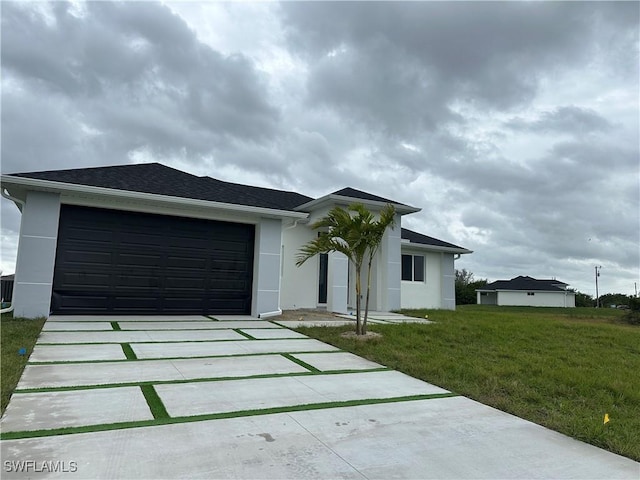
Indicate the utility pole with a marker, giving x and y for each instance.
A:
(598, 267)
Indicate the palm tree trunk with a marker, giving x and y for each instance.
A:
(358, 301)
(366, 304)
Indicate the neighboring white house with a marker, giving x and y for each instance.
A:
(526, 291)
(150, 239)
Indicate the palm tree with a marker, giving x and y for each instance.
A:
(356, 236)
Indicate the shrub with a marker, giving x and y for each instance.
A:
(632, 316)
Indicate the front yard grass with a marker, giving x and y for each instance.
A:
(15, 333)
(561, 368)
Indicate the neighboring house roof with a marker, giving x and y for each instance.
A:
(525, 283)
(159, 179)
(433, 243)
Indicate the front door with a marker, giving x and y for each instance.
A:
(323, 270)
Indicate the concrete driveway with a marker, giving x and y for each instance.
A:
(233, 397)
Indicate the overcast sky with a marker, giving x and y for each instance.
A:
(514, 126)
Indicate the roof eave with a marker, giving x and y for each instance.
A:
(435, 248)
(341, 199)
(61, 187)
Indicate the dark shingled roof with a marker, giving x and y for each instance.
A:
(353, 193)
(526, 283)
(415, 237)
(159, 179)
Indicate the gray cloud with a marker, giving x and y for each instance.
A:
(567, 119)
(513, 125)
(484, 53)
(136, 75)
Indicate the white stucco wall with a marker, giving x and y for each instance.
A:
(36, 255)
(387, 274)
(540, 299)
(448, 282)
(266, 268)
(299, 286)
(427, 294)
(337, 282)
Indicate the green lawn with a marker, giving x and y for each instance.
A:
(561, 368)
(15, 333)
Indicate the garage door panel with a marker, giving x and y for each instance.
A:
(79, 279)
(79, 304)
(84, 257)
(78, 231)
(175, 263)
(139, 259)
(122, 262)
(137, 240)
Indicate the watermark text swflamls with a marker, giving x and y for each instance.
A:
(35, 466)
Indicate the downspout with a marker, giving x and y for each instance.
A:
(20, 204)
(294, 225)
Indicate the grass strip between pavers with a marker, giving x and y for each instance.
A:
(74, 362)
(114, 326)
(190, 380)
(246, 335)
(156, 406)
(126, 348)
(215, 416)
(311, 368)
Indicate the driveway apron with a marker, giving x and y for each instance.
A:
(236, 397)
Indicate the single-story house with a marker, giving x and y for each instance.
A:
(151, 239)
(526, 291)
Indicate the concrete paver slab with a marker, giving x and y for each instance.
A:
(408, 320)
(455, 438)
(92, 326)
(326, 362)
(211, 324)
(313, 323)
(272, 333)
(77, 353)
(236, 318)
(127, 318)
(237, 395)
(48, 410)
(109, 373)
(452, 438)
(240, 347)
(272, 446)
(388, 317)
(138, 336)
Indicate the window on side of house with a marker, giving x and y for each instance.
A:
(413, 268)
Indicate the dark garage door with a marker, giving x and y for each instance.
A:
(115, 262)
